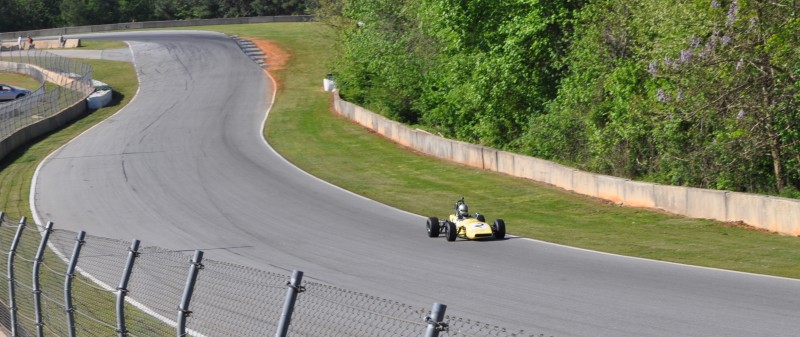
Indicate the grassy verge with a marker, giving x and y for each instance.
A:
(102, 44)
(22, 81)
(302, 128)
(19, 80)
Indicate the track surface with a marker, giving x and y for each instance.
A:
(184, 166)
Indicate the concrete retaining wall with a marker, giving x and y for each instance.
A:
(781, 215)
(584, 183)
(39, 44)
(672, 199)
(611, 188)
(775, 214)
(639, 194)
(41, 127)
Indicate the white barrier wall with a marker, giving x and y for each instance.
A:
(639, 194)
(673, 199)
(775, 214)
(98, 99)
(584, 183)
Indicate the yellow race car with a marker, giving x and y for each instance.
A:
(461, 224)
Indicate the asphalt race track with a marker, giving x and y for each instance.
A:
(184, 166)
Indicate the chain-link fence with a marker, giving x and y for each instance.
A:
(84, 285)
(71, 82)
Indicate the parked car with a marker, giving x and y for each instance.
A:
(8, 93)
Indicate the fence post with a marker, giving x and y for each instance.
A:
(183, 310)
(76, 251)
(12, 303)
(288, 305)
(133, 253)
(435, 323)
(37, 291)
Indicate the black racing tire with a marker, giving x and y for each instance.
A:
(480, 217)
(433, 227)
(19, 96)
(452, 233)
(499, 229)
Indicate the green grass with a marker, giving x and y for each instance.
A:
(23, 81)
(303, 129)
(19, 80)
(102, 44)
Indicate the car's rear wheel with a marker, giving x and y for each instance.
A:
(499, 229)
(452, 233)
(433, 227)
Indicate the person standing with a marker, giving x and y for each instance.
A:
(30, 42)
(19, 42)
(61, 41)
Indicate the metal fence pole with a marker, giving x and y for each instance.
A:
(288, 305)
(183, 310)
(37, 291)
(435, 321)
(12, 303)
(76, 251)
(133, 253)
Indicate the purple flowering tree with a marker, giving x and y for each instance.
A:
(735, 87)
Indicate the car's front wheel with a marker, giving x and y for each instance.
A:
(433, 227)
(452, 233)
(499, 229)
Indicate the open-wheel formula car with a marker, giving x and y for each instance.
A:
(461, 224)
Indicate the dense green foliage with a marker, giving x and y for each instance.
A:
(698, 93)
(18, 15)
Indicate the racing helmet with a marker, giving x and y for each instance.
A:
(463, 210)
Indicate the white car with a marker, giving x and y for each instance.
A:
(8, 93)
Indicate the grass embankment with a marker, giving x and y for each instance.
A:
(302, 128)
(19, 81)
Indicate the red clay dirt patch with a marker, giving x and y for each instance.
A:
(741, 224)
(276, 57)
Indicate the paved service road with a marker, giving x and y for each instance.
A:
(184, 166)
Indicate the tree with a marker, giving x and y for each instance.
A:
(738, 81)
(73, 13)
(278, 7)
(135, 10)
(382, 56)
